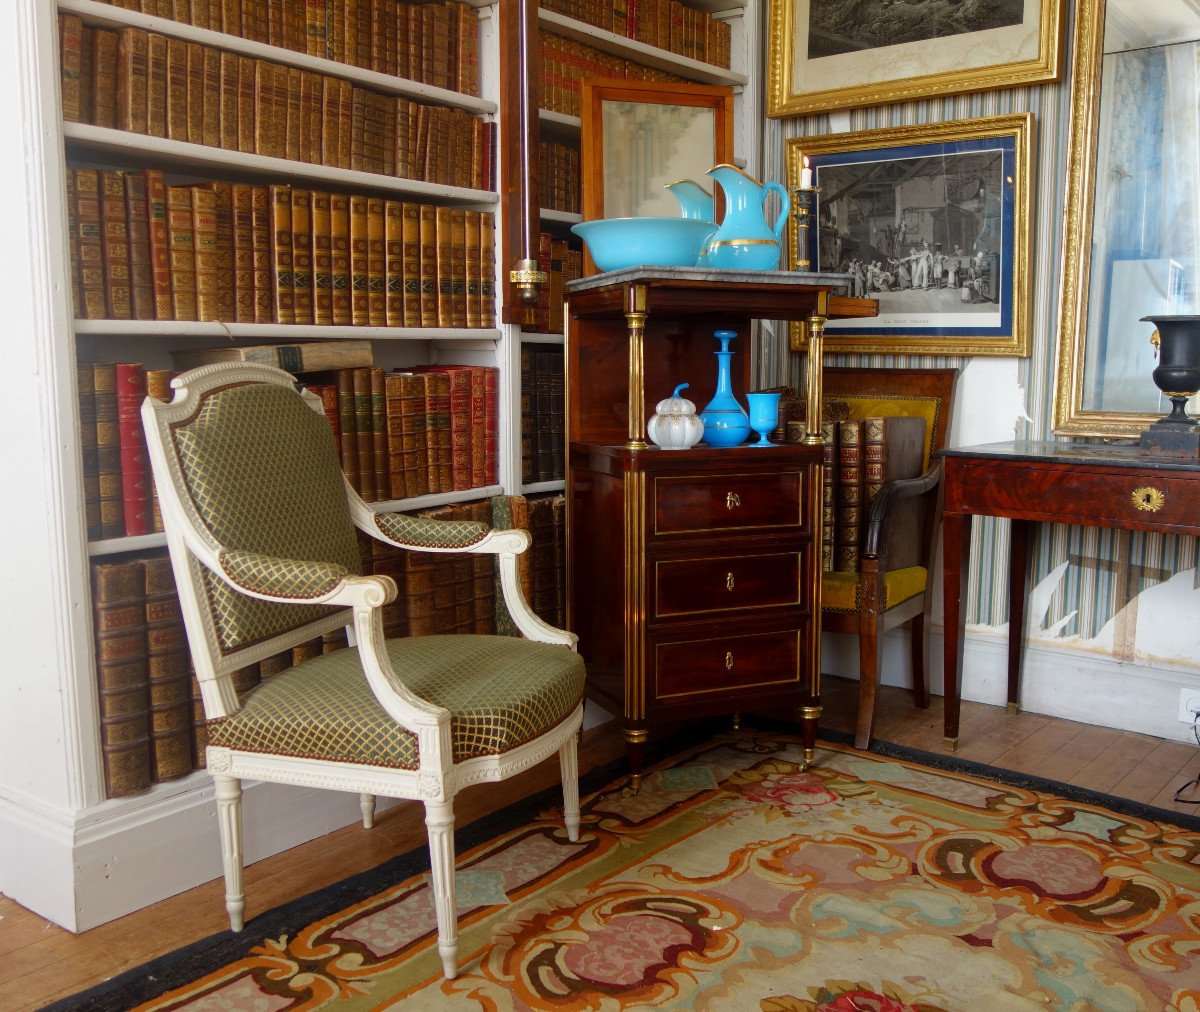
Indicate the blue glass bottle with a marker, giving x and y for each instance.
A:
(725, 420)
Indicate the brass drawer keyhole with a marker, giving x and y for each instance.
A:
(1148, 499)
(732, 500)
(729, 581)
(728, 660)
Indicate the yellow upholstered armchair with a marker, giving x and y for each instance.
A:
(892, 582)
(260, 524)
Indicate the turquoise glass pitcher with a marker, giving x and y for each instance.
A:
(694, 200)
(745, 240)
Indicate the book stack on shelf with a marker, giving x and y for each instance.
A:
(543, 435)
(665, 24)
(434, 43)
(562, 262)
(142, 82)
(151, 718)
(246, 253)
(558, 176)
(860, 456)
(566, 62)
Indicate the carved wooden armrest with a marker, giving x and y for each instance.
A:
(887, 498)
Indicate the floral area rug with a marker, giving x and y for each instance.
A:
(737, 880)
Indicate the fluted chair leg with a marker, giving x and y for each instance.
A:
(229, 818)
(568, 761)
(366, 803)
(439, 824)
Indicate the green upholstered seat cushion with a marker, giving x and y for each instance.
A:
(502, 692)
(839, 591)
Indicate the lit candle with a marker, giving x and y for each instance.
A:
(806, 176)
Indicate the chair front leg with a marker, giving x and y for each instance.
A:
(870, 609)
(229, 819)
(439, 824)
(366, 804)
(568, 762)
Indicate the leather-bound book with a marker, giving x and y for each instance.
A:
(556, 449)
(418, 590)
(90, 244)
(829, 433)
(429, 265)
(224, 218)
(558, 509)
(487, 269)
(293, 77)
(445, 267)
(310, 118)
(261, 242)
(322, 257)
(335, 30)
(119, 620)
(246, 100)
(376, 263)
(393, 414)
(210, 122)
(233, 21)
(363, 437)
(281, 263)
(331, 123)
(302, 254)
(405, 140)
(359, 277)
(849, 495)
(72, 205)
(458, 277)
(195, 93)
(159, 241)
(491, 425)
(85, 384)
(87, 48)
(227, 115)
(466, 69)
(437, 430)
(379, 446)
(339, 259)
(541, 535)
(458, 387)
(393, 253)
(114, 235)
(528, 406)
(135, 461)
(207, 258)
(70, 43)
(243, 252)
(347, 430)
(410, 264)
(104, 77)
(169, 680)
(177, 89)
(108, 451)
(315, 39)
(181, 252)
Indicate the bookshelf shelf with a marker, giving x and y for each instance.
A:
(559, 123)
(108, 16)
(649, 56)
(142, 150)
(534, 338)
(560, 217)
(543, 486)
(118, 546)
(282, 331)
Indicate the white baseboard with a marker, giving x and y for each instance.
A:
(1092, 688)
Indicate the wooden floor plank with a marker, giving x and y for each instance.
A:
(1155, 770)
(1105, 770)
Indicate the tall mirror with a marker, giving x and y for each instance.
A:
(1133, 208)
(638, 136)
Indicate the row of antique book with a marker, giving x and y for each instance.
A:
(433, 43)
(566, 62)
(428, 430)
(141, 249)
(139, 81)
(152, 725)
(666, 24)
(562, 261)
(558, 176)
(543, 424)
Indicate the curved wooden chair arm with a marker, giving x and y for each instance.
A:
(885, 501)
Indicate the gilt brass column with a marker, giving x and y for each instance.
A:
(811, 714)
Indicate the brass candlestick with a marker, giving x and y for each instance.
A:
(804, 207)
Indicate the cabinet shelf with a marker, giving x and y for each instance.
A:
(107, 16)
(535, 487)
(548, 214)
(530, 337)
(143, 150)
(639, 52)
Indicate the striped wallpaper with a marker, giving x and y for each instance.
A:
(1102, 566)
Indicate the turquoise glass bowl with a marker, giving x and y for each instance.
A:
(616, 243)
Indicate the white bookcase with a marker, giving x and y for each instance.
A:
(65, 851)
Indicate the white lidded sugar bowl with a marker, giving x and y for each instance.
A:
(675, 424)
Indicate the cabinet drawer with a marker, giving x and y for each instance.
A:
(724, 583)
(727, 502)
(732, 663)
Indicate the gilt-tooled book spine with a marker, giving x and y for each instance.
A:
(849, 495)
(429, 265)
(445, 267)
(119, 619)
(70, 41)
(394, 436)
(156, 85)
(310, 118)
(358, 130)
(335, 30)
(376, 263)
(339, 258)
(108, 451)
(364, 440)
(195, 93)
(330, 123)
(394, 262)
(322, 257)
(487, 268)
(347, 436)
(141, 257)
(169, 681)
(829, 433)
(458, 277)
(243, 252)
(281, 263)
(204, 239)
(89, 244)
(294, 112)
(227, 116)
(261, 242)
(135, 462)
(85, 385)
(473, 267)
(210, 121)
(359, 277)
(158, 232)
(379, 446)
(246, 97)
(177, 89)
(437, 430)
(404, 139)
(225, 300)
(118, 300)
(302, 255)
(234, 21)
(410, 264)
(315, 39)
(104, 78)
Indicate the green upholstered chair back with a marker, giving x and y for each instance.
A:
(262, 472)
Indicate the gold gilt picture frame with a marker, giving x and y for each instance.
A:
(830, 54)
(931, 221)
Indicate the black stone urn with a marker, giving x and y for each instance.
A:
(1178, 376)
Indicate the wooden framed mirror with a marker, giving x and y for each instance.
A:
(1132, 233)
(637, 136)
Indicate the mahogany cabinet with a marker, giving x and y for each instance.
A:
(693, 576)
